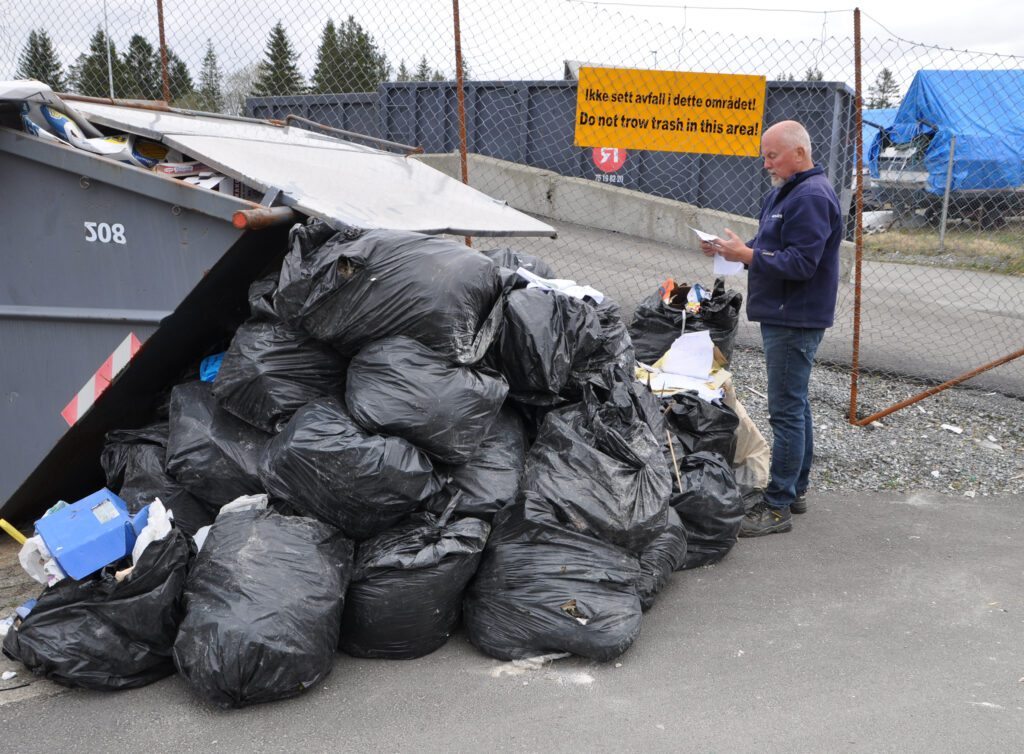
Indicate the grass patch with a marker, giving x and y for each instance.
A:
(1000, 250)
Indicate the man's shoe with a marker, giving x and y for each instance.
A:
(763, 519)
(799, 505)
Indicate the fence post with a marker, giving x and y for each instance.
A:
(461, 95)
(945, 196)
(165, 79)
(858, 229)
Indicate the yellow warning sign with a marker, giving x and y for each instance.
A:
(670, 111)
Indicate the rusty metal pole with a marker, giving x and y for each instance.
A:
(165, 78)
(858, 230)
(461, 94)
(939, 388)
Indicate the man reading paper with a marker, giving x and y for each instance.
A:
(793, 277)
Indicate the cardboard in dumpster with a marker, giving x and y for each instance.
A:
(89, 534)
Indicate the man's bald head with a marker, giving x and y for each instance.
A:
(786, 149)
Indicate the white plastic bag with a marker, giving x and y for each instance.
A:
(158, 526)
(35, 558)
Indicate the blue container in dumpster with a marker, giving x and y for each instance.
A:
(89, 534)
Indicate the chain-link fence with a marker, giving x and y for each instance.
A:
(940, 292)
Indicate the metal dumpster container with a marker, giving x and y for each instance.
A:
(95, 249)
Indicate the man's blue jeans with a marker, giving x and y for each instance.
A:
(789, 355)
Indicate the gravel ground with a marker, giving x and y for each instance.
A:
(910, 450)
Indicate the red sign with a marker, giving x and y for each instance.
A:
(608, 159)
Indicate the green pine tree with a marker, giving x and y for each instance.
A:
(423, 71)
(403, 73)
(364, 67)
(813, 74)
(39, 61)
(279, 73)
(327, 77)
(885, 92)
(179, 79)
(141, 73)
(90, 75)
(211, 97)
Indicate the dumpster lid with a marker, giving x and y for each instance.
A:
(327, 177)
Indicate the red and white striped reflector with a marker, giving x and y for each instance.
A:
(100, 381)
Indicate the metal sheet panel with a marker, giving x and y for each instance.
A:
(327, 177)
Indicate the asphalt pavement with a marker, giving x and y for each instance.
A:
(880, 623)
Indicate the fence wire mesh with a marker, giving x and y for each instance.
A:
(942, 287)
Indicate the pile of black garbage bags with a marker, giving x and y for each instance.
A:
(440, 445)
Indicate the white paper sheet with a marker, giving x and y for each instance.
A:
(692, 355)
(722, 265)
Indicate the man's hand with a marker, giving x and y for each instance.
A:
(732, 248)
(710, 248)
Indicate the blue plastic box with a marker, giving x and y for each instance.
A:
(89, 534)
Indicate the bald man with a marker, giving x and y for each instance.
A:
(793, 276)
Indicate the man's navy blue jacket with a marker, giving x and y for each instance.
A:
(794, 275)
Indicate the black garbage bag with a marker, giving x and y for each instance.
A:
(212, 453)
(656, 325)
(710, 507)
(490, 479)
(698, 425)
(512, 260)
(405, 598)
(307, 254)
(323, 464)
(543, 588)
(397, 386)
(272, 369)
(261, 298)
(600, 467)
(543, 336)
(133, 461)
(263, 607)
(386, 283)
(664, 555)
(614, 348)
(103, 634)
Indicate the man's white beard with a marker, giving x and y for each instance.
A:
(776, 181)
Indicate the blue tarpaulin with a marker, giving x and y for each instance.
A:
(983, 109)
(873, 122)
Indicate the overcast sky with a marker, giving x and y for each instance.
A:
(510, 39)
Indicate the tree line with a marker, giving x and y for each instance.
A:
(348, 59)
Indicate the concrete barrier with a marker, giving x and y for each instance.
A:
(597, 205)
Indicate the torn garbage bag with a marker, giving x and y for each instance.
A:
(665, 554)
(133, 461)
(387, 283)
(211, 452)
(323, 464)
(107, 633)
(543, 588)
(405, 597)
(397, 386)
(710, 507)
(490, 479)
(263, 607)
(657, 323)
(599, 466)
(272, 369)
